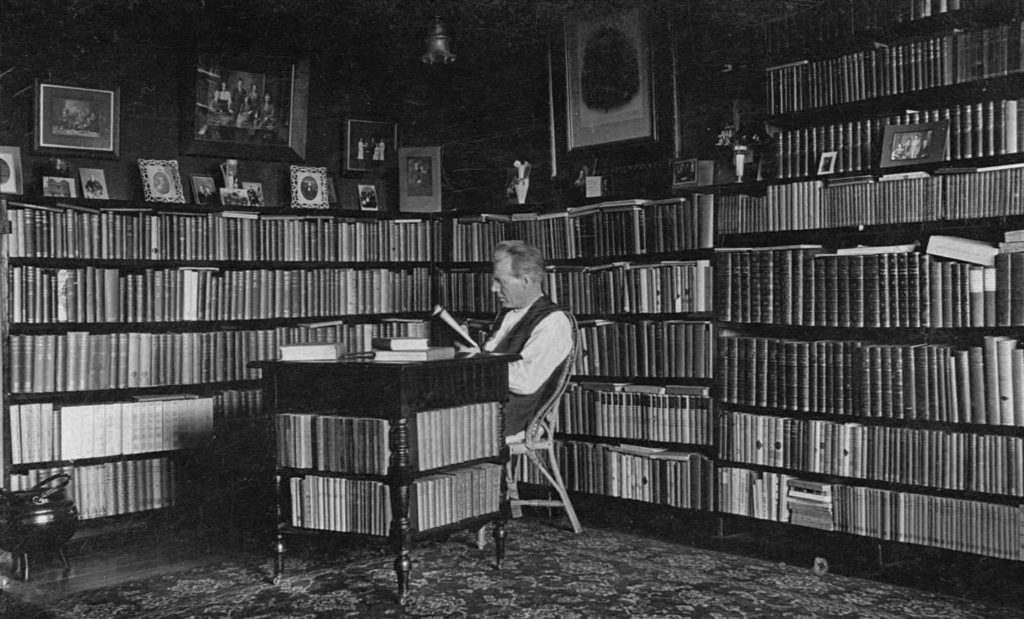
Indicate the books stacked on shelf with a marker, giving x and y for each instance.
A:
(112, 488)
(90, 294)
(645, 348)
(142, 234)
(662, 476)
(668, 414)
(810, 504)
(963, 525)
(860, 287)
(333, 444)
(446, 498)
(340, 504)
(940, 60)
(627, 227)
(624, 287)
(756, 494)
(457, 434)
(237, 404)
(922, 457)
(309, 352)
(949, 383)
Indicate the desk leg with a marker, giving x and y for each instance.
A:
(401, 528)
(279, 537)
(504, 508)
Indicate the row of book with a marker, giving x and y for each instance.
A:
(899, 289)
(668, 414)
(445, 498)
(112, 488)
(653, 475)
(646, 348)
(457, 434)
(141, 234)
(330, 443)
(91, 294)
(339, 504)
(42, 432)
(986, 192)
(753, 493)
(933, 458)
(940, 60)
(981, 129)
(618, 288)
(932, 382)
(622, 228)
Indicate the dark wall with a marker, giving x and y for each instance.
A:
(487, 109)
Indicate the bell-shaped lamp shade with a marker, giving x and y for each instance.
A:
(437, 45)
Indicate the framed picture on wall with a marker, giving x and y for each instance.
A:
(10, 170)
(370, 144)
(906, 145)
(161, 181)
(419, 178)
(246, 106)
(69, 119)
(608, 78)
(309, 187)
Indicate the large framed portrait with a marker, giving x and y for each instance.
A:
(906, 145)
(309, 187)
(72, 119)
(161, 181)
(370, 144)
(608, 75)
(246, 106)
(419, 179)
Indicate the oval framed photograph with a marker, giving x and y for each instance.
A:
(308, 185)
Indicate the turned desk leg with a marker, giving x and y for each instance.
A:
(401, 527)
(279, 534)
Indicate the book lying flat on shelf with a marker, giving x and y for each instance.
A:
(959, 248)
(426, 354)
(399, 343)
(864, 250)
(310, 352)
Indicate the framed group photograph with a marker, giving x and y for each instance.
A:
(608, 78)
(10, 170)
(59, 187)
(85, 121)
(234, 196)
(684, 173)
(161, 181)
(246, 106)
(905, 145)
(370, 144)
(94, 183)
(204, 189)
(419, 178)
(309, 187)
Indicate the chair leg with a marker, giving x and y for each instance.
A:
(560, 488)
(513, 490)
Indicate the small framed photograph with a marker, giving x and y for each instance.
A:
(684, 173)
(94, 183)
(10, 170)
(204, 189)
(370, 144)
(827, 162)
(59, 187)
(255, 192)
(309, 187)
(234, 197)
(368, 197)
(905, 145)
(161, 181)
(419, 176)
(82, 120)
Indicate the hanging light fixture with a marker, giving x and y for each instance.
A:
(437, 45)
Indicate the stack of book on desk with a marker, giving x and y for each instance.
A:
(408, 349)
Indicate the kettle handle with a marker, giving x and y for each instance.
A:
(65, 479)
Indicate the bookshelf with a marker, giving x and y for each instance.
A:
(865, 384)
(129, 328)
(636, 421)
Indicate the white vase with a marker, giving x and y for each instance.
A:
(740, 155)
(522, 186)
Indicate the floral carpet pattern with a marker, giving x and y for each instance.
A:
(548, 572)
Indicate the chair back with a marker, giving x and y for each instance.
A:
(545, 420)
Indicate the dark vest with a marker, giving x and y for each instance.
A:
(520, 408)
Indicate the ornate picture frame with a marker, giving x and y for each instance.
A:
(608, 78)
(309, 187)
(370, 145)
(161, 181)
(246, 106)
(11, 179)
(74, 119)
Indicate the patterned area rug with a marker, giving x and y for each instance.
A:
(549, 572)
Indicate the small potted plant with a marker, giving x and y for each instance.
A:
(742, 144)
